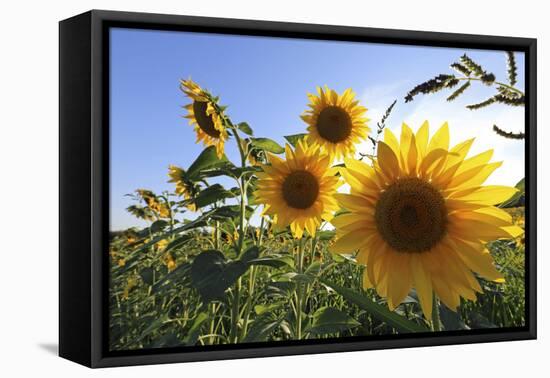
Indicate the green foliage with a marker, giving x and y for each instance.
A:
(434, 85)
(206, 160)
(329, 320)
(212, 194)
(380, 312)
(512, 68)
(470, 71)
(267, 144)
(245, 128)
(459, 91)
(293, 139)
(380, 126)
(483, 104)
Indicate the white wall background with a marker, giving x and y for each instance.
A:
(29, 186)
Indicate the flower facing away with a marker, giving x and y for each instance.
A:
(169, 262)
(420, 217)
(205, 115)
(184, 187)
(160, 208)
(298, 191)
(336, 122)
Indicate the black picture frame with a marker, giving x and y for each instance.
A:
(84, 185)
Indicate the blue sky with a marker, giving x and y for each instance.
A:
(264, 81)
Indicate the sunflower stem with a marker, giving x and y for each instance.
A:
(235, 312)
(217, 235)
(233, 336)
(299, 304)
(436, 320)
(212, 310)
(166, 198)
(497, 83)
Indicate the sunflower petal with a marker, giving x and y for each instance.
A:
(388, 161)
(489, 195)
(422, 136)
(440, 139)
(423, 285)
(391, 141)
(348, 243)
(476, 259)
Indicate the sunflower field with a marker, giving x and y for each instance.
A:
(316, 239)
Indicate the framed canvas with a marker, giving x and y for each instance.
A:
(234, 188)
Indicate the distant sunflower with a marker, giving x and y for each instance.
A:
(299, 191)
(184, 187)
(162, 244)
(336, 122)
(160, 208)
(205, 116)
(169, 262)
(421, 217)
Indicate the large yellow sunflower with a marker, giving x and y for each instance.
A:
(420, 217)
(298, 191)
(336, 122)
(204, 116)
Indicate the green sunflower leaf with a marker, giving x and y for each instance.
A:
(208, 159)
(293, 139)
(179, 276)
(147, 275)
(245, 128)
(212, 274)
(327, 320)
(212, 194)
(262, 327)
(267, 144)
(194, 331)
(380, 312)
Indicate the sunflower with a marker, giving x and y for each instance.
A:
(152, 201)
(298, 191)
(131, 236)
(160, 245)
(336, 122)
(184, 187)
(420, 217)
(205, 115)
(169, 261)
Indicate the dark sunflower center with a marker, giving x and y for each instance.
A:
(334, 124)
(204, 120)
(411, 216)
(300, 189)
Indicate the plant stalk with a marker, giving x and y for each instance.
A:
(299, 294)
